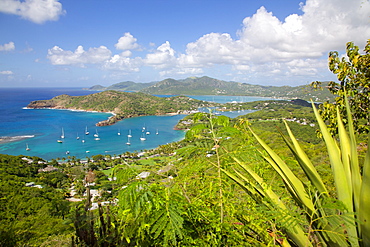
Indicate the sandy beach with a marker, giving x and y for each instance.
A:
(5, 139)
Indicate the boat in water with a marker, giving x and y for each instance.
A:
(62, 136)
(96, 134)
(142, 138)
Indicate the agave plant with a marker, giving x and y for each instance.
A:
(347, 225)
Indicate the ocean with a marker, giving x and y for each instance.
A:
(40, 129)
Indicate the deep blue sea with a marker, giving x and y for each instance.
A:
(39, 129)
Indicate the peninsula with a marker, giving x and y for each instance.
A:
(122, 104)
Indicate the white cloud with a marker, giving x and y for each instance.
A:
(127, 42)
(38, 11)
(265, 47)
(294, 46)
(123, 62)
(80, 57)
(6, 72)
(213, 48)
(7, 47)
(162, 57)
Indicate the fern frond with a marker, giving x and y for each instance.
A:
(167, 222)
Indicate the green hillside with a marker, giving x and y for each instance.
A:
(122, 104)
(210, 86)
(123, 86)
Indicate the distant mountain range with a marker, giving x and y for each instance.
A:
(210, 86)
(123, 86)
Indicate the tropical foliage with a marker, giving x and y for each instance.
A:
(330, 219)
(353, 75)
(210, 86)
(230, 182)
(122, 104)
(30, 216)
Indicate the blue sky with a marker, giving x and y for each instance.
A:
(83, 43)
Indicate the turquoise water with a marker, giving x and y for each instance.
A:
(40, 129)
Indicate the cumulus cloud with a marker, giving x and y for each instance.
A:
(162, 57)
(293, 46)
(6, 72)
(123, 62)
(265, 45)
(127, 42)
(80, 57)
(7, 47)
(38, 11)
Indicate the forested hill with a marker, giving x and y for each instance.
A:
(210, 86)
(123, 86)
(122, 104)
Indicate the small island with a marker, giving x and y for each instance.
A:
(122, 104)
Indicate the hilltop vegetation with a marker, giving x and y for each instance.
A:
(175, 195)
(122, 104)
(263, 179)
(33, 206)
(210, 86)
(123, 86)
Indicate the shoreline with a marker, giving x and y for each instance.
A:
(66, 109)
(113, 118)
(7, 139)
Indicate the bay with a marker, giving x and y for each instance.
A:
(39, 129)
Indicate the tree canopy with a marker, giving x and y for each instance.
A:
(353, 73)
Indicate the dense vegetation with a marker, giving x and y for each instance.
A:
(210, 86)
(230, 182)
(353, 75)
(30, 215)
(122, 104)
(123, 86)
(175, 195)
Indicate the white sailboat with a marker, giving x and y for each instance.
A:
(96, 134)
(77, 137)
(62, 136)
(129, 134)
(157, 133)
(86, 131)
(142, 138)
(119, 132)
(128, 141)
(27, 148)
